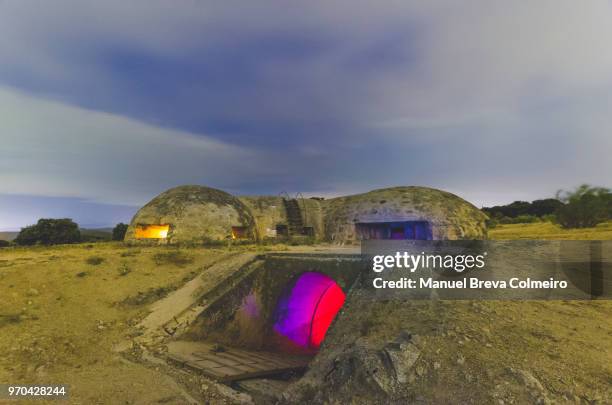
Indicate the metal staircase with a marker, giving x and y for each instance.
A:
(295, 223)
(296, 211)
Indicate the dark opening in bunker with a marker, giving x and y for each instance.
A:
(308, 231)
(412, 230)
(282, 230)
(239, 232)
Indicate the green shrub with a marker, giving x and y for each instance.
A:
(584, 207)
(526, 219)
(94, 260)
(4, 243)
(124, 269)
(521, 219)
(492, 223)
(49, 231)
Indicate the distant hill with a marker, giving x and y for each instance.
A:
(88, 235)
(91, 235)
(8, 235)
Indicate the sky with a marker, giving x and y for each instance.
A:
(104, 105)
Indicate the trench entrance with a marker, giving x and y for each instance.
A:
(270, 322)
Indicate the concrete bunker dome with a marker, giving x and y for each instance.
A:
(198, 214)
(191, 214)
(403, 213)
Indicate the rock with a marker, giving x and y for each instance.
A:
(534, 387)
(366, 371)
(436, 365)
(403, 355)
(420, 371)
(41, 371)
(32, 292)
(460, 359)
(217, 348)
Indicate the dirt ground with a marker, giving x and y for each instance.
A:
(65, 308)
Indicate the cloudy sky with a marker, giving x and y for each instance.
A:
(105, 104)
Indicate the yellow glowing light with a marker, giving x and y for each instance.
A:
(152, 231)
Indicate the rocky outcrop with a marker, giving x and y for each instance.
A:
(362, 371)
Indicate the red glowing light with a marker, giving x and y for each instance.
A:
(306, 312)
(329, 304)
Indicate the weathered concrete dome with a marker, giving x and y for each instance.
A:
(191, 214)
(403, 213)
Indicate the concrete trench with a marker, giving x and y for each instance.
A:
(233, 322)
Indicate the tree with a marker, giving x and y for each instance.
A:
(119, 231)
(511, 210)
(584, 207)
(536, 208)
(48, 231)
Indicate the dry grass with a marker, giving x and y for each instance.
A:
(60, 316)
(175, 257)
(94, 260)
(550, 231)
